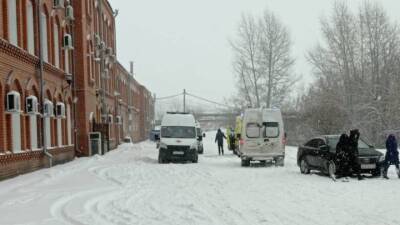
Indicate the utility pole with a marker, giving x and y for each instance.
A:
(184, 100)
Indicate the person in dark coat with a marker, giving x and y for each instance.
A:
(343, 156)
(353, 156)
(392, 155)
(220, 139)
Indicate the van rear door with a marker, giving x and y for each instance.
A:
(271, 135)
(253, 138)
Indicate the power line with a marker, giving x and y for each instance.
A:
(168, 97)
(209, 101)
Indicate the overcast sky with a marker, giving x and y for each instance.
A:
(179, 44)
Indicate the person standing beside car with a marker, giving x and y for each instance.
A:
(343, 156)
(219, 138)
(353, 145)
(392, 156)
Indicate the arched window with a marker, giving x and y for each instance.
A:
(43, 21)
(56, 45)
(30, 27)
(12, 21)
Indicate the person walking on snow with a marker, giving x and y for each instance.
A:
(392, 155)
(220, 139)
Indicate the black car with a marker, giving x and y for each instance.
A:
(319, 154)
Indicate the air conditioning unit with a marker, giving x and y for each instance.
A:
(48, 108)
(118, 120)
(97, 39)
(67, 42)
(68, 78)
(101, 45)
(32, 106)
(60, 110)
(13, 101)
(109, 51)
(69, 13)
(58, 4)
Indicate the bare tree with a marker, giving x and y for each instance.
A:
(358, 59)
(262, 60)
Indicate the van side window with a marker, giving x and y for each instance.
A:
(271, 129)
(252, 130)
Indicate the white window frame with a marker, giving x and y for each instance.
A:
(43, 21)
(56, 45)
(12, 22)
(30, 27)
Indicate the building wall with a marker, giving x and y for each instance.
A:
(127, 103)
(19, 73)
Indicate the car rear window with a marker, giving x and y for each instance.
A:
(271, 129)
(252, 130)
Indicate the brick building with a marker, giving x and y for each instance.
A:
(32, 134)
(59, 78)
(107, 92)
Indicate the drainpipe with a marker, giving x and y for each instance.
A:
(74, 94)
(41, 66)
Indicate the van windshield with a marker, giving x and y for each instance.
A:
(271, 129)
(178, 132)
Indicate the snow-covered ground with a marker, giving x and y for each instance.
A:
(128, 186)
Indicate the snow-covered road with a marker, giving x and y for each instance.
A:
(128, 186)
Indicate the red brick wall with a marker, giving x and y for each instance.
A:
(12, 165)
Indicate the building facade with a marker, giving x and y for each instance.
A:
(59, 80)
(107, 93)
(35, 95)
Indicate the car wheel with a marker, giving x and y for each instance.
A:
(332, 169)
(245, 163)
(160, 159)
(304, 168)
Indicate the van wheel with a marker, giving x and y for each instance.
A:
(304, 168)
(245, 163)
(280, 162)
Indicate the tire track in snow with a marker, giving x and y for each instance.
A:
(59, 209)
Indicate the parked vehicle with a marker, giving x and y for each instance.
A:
(178, 138)
(319, 154)
(262, 136)
(154, 133)
(200, 135)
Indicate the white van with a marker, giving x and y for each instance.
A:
(263, 137)
(178, 138)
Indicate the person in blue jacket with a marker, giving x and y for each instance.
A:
(392, 155)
